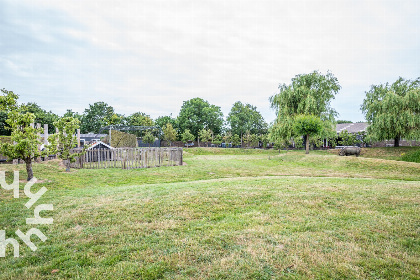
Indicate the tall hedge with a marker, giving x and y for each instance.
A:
(121, 139)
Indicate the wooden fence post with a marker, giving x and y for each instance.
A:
(46, 134)
(46, 139)
(78, 137)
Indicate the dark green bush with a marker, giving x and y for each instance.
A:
(412, 156)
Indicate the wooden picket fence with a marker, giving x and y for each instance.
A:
(129, 158)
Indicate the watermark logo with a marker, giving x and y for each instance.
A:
(37, 220)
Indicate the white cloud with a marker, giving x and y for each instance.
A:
(152, 55)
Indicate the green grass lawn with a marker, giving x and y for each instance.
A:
(391, 153)
(225, 214)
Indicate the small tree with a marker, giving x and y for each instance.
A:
(227, 138)
(148, 138)
(254, 140)
(25, 140)
(307, 125)
(217, 139)
(205, 135)
(236, 140)
(275, 137)
(246, 139)
(265, 140)
(8, 101)
(187, 136)
(169, 133)
(66, 140)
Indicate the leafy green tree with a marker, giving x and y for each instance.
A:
(265, 140)
(247, 139)
(66, 139)
(115, 119)
(149, 138)
(274, 136)
(197, 114)
(205, 135)
(75, 115)
(218, 139)
(227, 138)
(8, 100)
(140, 119)
(307, 125)
(308, 94)
(41, 115)
(95, 117)
(169, 133)
(187, 136)
(4, 130)
(245, 117)
(235, 140)
(163, 120)
(347, 139)
(393, 111)
(25, 141)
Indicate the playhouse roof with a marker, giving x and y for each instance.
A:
(100, 144)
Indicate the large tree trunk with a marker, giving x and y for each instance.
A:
(29, 169)
(397, 141)
(307, 144)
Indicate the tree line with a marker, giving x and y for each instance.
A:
(196, 117)
(303, 108)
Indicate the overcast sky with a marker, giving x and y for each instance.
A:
(151, 55)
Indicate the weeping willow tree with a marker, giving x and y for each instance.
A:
(393, 111)
(308, 94)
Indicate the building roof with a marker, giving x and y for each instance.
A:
(92, 135)
(100, 143)
(88, 135)
(351, 127)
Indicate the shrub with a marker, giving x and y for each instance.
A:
(412, 156)
(121, 139)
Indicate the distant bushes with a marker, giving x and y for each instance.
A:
(411, 156)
